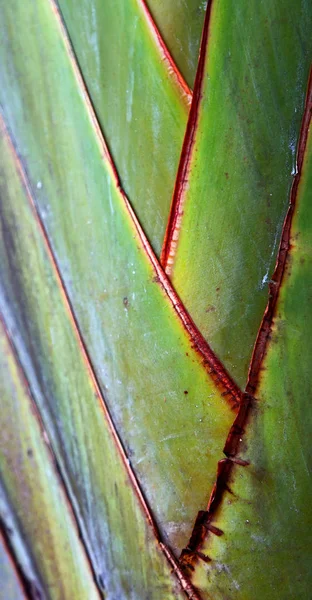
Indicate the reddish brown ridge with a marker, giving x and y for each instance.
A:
(165, 54)
(203, 524)
(70, 312)
(34, 587)
(210, 361)
(177, 204)
(276, 280)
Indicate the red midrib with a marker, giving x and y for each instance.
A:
(176, 209)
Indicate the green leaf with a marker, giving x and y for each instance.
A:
(32, 489)
(266, 512)
(180, 23)
(141, 105)
(168, 397)
(237, 168)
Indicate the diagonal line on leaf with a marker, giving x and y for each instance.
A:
(181, 23)
(176, 210)
(265, 328)
(166, 57)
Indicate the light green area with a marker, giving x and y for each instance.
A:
(180, 23)
(10, 588)
(34, 492)
(139, 104)
(125, 555)
(265, 552)
(242, 167)
(172, 418)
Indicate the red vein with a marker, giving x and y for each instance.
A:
(52, 457)
(277, 278)
(190, 591)
(87, 361)
(211, 363)
(22, 582)
(203, 524)
(166, 57)
(177, 205)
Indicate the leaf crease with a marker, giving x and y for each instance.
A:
(166, 56)
(275, 284)
(176, 210)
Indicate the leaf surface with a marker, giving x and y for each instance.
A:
(141, 105)
(171, 405)
(32, 488)
(237, 167)
(180, 23)
(112, 520)
(266, 512)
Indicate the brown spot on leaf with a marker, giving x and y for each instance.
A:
(210, 309)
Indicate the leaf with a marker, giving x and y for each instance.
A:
(237, 167)
(170, 400)
(141, 104)
(31, 488)
(265, 512)
(181, 23)
(126, 405)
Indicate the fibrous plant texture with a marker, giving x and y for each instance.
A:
(155, 299)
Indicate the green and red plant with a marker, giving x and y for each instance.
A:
(156, 285)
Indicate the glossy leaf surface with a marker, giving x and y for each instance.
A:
(266, 514)
(140, 103)
(242, 148)
(180, 23)
(114, 526)
(170, 413)
(34, 493)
